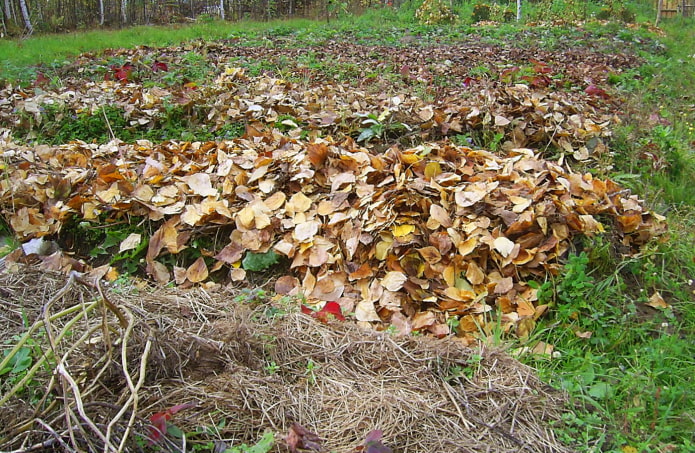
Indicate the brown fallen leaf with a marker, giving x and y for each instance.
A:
(658, 302)
(300, 438)
(198, 271)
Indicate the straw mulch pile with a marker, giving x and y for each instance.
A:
(114, 357)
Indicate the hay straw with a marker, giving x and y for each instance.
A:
(247, 370)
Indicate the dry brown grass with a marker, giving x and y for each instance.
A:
(257, 371)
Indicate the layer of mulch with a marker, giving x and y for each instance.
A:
(121, 357)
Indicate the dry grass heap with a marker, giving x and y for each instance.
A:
(116, 356)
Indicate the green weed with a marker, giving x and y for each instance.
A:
(624, 363)
(19, 364)
(381, 126)
(201, 441)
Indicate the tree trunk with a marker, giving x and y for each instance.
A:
(8, 10)
(25, 16)
(124, 15)
(518, 10)
(101, 13)
(222, 9)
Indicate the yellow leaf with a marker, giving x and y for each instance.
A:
(200, 184)
(143, 193)
(306, 231)
(109, 195)
(501, 121)
(468, 246)
(258, 173)
(524, 307)
(382, 249)
(449, 275)
(409, 159)
(460, 295)
(237, 274)
(275, 201)
(439, 214)
(474, 193)
(246, 217)
(426, 113)
(525, 327)
(430, 254)
(544, 349)
(520, 203)
(89, 211)
(192, 215)
(298, 203)
(400, 231)
(432, 169)
(475, 274)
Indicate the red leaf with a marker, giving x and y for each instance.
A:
(374, 436)
(540, 67)
(508, 75)
(330, 310)
(333, 308)
(159, 66)
(539, 81)
(159, 426)
(41, 79)
(122, 73)
(159, 421)
(593, 90)
(179, 407)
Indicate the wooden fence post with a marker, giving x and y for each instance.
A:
(659, 6)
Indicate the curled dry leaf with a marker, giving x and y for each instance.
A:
(657, 301)
(300, 438)
(131, 242)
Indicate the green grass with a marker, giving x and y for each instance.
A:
(630, 381)
(55, 49)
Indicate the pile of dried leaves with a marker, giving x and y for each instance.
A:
(409, 237)
(129, 362)
(533, 98)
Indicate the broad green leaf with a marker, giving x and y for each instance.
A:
(366, 134)
(600, 390)
(256, 262)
